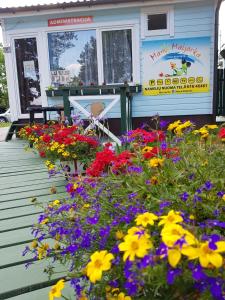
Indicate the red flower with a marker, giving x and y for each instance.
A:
(221, 133)
(46, 138)
(42, 154)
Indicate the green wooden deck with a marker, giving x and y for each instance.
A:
(22, 177)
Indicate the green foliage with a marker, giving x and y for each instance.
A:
(3, 82)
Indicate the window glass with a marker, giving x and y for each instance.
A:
(73, 57)
(157, 22)
(117, 56)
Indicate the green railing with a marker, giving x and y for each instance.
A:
(125, 91)
(220, 107)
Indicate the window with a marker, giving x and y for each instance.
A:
(94, 56)
(117, 56)
(73, 57)
(157, 21)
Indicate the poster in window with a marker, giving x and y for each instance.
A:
(29, 69)
(176, 66)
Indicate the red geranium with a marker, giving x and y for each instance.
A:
(221, 133)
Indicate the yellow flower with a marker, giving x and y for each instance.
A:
(65, 154)
(192, 217)
(135, 245)
(173, 217)
(211, 126)
(42, 251)
(45, 221)
(137, 231)
(174, 256)
(156, 162)
(119, 235)
(56, 290)
(146, 149)
(47, 163)
(75, 186)
(205, 254)
(173, 125)
(56, 202)
(34, 244)
(145, 219)
(83, 297)
(51, 167)
(174, 232)
(100, 261)
(154, 180)
(223, 197)
(86, 205)
(122, 296)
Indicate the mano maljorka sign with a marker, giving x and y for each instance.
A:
(176, 66)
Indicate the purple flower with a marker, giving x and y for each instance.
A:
(135, 169)
(191, 176)
(92, 220)
(163, 123)
(220, 194)
(184, 196)
(213, 223)
(172, 274)
(146, 261)
(131, 287)
(164, 204)
(212, 242)
(197, 272)
(163, 145)
(176, 159)
(132, 195)
(208, 185)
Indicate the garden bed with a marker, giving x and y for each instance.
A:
(145, 222)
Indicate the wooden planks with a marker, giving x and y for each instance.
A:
(23, 177)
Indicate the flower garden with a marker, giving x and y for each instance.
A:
(141, 221)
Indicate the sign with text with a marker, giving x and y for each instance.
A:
(60, 76)
(70, 21)
(176, 66)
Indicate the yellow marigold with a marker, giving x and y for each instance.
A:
(65, 154)
(211, 126)
(56, 290)
(154, 180)
(156, 162)
(100, 261)
(205, 254)
(119, 235)
(174, 232)
(122, 296)
(135, 245)
(146, 149)
(56, 202)
(145, 219)
(34, 244)
(172, 218)
(45, 221)
(42, 251)
(173, 125)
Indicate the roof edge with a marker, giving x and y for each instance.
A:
(65, 5)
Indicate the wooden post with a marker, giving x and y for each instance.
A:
(66, 104)
(123, 104)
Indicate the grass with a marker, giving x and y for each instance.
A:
(6, 124)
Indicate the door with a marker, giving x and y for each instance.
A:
(27, 72)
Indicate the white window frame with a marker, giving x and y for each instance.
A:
(145, 12)
(135, 53)
(99, 29)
